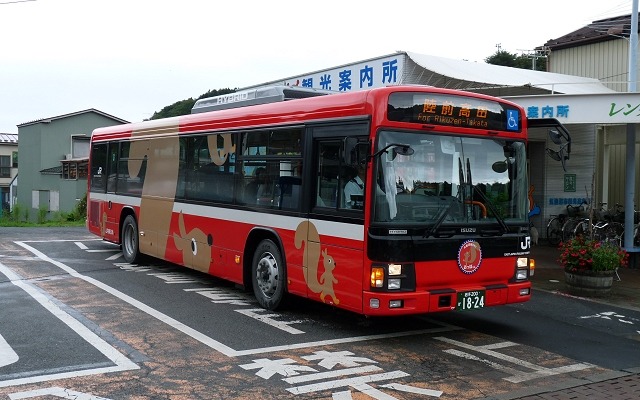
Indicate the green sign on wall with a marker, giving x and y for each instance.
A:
(569, 182)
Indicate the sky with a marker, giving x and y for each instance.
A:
(131, 58)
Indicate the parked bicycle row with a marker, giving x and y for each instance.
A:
(603, 224)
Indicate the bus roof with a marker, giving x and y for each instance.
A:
(252, 97)
(340, 105)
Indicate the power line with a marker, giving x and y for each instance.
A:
(15, 1)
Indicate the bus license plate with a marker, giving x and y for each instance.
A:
(470, 300)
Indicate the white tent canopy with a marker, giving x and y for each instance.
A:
(467, 75)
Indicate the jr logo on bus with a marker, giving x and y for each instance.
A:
(469, 257)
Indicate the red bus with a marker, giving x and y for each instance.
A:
(390, 201)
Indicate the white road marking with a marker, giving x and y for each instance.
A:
(352, 339)
(7, 354)
(214, 344)
(610, 315)
(132, 267)
(517, 376)
(269, 319)
(412, 389)
(174, 277)
(55, 391)
(81, 245)
(492, 364)
(359, 383)
(332, 374)
(91, 239)
(268, 368)
(221, 296)
(294, 373)
(121, 362)
(114, 257)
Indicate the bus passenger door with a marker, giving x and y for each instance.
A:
(336, 224)
(110, 208)
(96, 198)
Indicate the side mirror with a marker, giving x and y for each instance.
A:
(402, 150)
(555, 137)
(559, 136)
(565, 149)
(554, 155)
(396, 148)
(499, 166)
(559, 156)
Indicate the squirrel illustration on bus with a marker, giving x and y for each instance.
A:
(307, 236)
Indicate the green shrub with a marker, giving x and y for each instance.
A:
(42, 214)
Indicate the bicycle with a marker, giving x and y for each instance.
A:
(576, 218)
(554, 229)
(602, 231)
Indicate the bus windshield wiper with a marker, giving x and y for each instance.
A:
(492, 208)
(445, 211)
(441, 217)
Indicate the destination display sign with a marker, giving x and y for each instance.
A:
(451, 110)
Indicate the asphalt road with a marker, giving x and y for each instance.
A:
(76, 321)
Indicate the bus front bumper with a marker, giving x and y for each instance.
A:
(438, 300)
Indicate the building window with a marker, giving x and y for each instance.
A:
(5, 166)
(74, 169)
(80, 146)
(14, 157)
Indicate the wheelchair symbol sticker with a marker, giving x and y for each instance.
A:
(512, 120)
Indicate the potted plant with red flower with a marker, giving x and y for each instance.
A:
(590, 265)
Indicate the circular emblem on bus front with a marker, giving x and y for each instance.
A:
(469, 257)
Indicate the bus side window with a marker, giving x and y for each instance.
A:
(112, 164)
(254, 186)
(98, 176)
(327, 174)
(289, 192)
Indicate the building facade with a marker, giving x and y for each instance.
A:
(53, 179)
(600, 50)
(8, 168)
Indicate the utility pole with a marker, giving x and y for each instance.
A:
(631, 138)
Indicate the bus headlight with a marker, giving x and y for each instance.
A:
(393, 277)
(521, 274)
(393, 284)
(522, 268)
(395, 269)
(377, 277)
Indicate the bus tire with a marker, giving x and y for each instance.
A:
(129, 240)
(267, 275)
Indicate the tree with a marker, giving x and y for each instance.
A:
(183, 107)
(523, 61)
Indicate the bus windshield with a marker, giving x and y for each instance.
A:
(436, 180)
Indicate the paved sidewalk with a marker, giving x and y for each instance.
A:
(549, 276)
(625, 293)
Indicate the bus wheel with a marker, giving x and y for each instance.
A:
(268, 275)
(130, 240)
